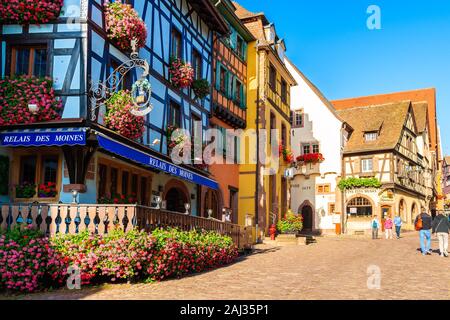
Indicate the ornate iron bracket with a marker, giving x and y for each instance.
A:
(141, 91)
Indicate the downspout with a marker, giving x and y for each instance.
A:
(257, 147)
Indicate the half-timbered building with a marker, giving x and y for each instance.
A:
(77, 151)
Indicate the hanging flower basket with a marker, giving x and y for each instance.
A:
(311, 158)
(287, 154)
(201, 88)
(123, 24)
(29, 11)
(18, 92)
(120, 119)
(181, 73)
(47, 190)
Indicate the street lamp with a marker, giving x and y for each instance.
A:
(210, 212)
(158, 202)
(74, 196)
(187, 206)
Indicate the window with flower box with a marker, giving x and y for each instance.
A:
(28, 60)
(39, 174)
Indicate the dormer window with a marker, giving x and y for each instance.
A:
(370, 136)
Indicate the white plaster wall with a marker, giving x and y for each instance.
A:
(322, 126)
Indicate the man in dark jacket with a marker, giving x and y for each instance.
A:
(425, 232)
(441, 227)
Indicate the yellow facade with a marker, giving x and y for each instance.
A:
(260, 193)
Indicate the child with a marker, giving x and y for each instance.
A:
(375, 226)
(388, 224)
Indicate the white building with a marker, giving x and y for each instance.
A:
(316, 128)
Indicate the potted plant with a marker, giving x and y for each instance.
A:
(287, 154)
(201, 88)
(47, 190)
(290, 224)
(26, 190)
(123, 24)
(120, 119)
(181, 73)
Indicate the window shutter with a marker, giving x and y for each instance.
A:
(233, 88)
(238, 149)
(218, 67)
(243, 97)
(244, 49)
(229, 84)
(233, 39)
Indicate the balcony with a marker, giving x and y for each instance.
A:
(53, 219)
(308, 169)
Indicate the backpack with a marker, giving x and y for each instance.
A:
(419, 224)
(375, 224)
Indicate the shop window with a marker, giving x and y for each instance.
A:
(134, 184)
(28, 165)
(197, 64)
(102, 171)
(114, 179)
(125, 180)
(176, 47)
(175, 114)
(29, 60)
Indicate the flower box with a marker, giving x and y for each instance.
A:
(123, 24)
(47, 190)
(26, 190)
(18, 92)
(181, 73)
(26, 12)
(311, 158)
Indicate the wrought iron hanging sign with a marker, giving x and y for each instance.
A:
(141, 91)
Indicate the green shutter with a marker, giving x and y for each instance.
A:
(244, 49)
(243, 97)
(218, 66)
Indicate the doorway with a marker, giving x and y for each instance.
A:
(175, 200)
(307, 214)
(386, 211)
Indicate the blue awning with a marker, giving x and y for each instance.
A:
(154, 162)
(43, 137)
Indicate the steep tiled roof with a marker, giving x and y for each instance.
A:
(387, 118)
(243, 13)
(420, 114)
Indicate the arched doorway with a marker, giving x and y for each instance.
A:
(212, 202)
(307, 214)
(360, 207)
(175, 200)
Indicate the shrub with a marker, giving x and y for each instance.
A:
(29, 11)
(353, 183)
(28, 262)
(119, 117)
(292, 223)
(123, 24)
(17, 92)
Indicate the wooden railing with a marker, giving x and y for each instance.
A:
(55, 219)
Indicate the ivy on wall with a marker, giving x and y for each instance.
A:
(4, 175)
(353, 183)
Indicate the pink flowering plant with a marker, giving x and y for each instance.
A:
(29, 11)
(17, 92)
(181, 73)
(124, 24)
(119, 117)
(28, 262)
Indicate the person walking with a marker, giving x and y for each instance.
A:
(388, 224)
(441, 227)
(398, 225)
(423, 225)
(375, 226)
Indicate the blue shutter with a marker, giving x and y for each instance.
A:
(244, 49)
(243, 97)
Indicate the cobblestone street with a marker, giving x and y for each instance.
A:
(334, 268)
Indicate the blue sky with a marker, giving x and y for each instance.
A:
(330, 42)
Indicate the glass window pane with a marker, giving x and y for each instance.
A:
(50, 169)
(28, 169)
(22, 61)
(125, 176)
(101, 181)
(40, 62)
(113, 189)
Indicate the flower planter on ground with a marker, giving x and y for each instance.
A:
(123, 24)
(291, 224)
(29, 11)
